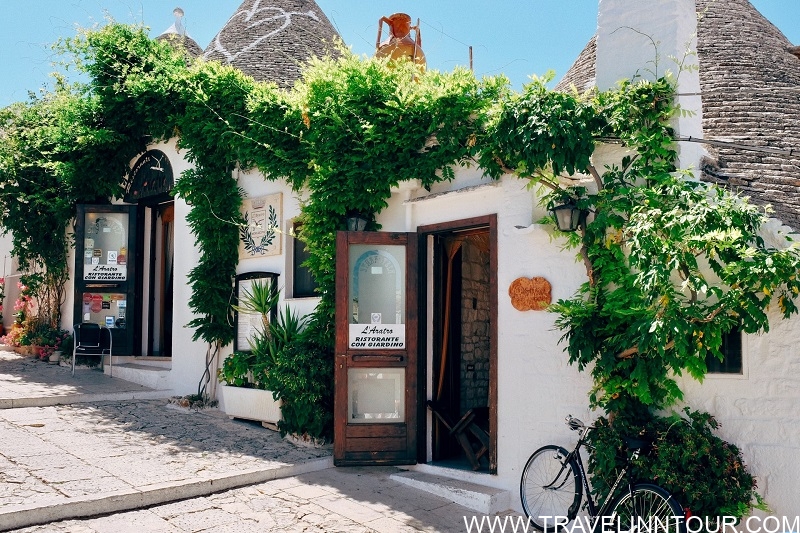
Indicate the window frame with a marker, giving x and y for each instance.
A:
(296, 266)
(742, 373)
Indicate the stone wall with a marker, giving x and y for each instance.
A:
(474, 326)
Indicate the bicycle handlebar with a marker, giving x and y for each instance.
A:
(575, 424)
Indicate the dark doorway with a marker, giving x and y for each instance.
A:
(461, 296)
(158, 267)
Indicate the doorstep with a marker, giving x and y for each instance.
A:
(480, 498)
(137, 370)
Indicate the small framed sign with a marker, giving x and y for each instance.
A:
(247, 324)
(260, 235)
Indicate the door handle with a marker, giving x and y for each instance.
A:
(397, 358)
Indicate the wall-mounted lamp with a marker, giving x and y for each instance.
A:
(356, 222)
(567, 216)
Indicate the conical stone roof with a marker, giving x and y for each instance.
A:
(193, 50)
(750, 84)
(271, 39)
(177, 36)
(750, 87)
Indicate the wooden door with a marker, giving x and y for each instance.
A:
(375, 408)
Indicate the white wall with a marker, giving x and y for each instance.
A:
(759, 411)
(644, 40)
(536, 387)
(188, 356)
(254, 185)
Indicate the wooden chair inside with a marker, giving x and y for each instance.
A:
(461, 430)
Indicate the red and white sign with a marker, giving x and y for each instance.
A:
(97, 303)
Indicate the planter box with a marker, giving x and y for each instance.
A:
(250, 404)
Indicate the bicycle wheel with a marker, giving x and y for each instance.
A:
(550, 486)
(648, 509)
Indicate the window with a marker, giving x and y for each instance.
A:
(304, 284)
(732, 355)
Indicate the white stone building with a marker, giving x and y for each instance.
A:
(505, 363)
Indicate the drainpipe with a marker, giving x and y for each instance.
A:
(406, 190)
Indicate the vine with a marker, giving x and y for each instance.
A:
(51, 151)
(672, 265)
(354, 128)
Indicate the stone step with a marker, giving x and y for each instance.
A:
(479, 498)
(161, 362)
(153, 377)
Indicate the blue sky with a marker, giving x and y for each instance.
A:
(516, 37)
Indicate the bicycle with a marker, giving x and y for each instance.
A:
(553, 482)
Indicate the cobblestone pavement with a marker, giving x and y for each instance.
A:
(97, 454)
(26, 382)
(333, 500)
(68, 453)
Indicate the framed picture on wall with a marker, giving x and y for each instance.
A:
(260, 236)
(248, 324)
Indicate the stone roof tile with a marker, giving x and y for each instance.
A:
(750, 82)
(270, 39)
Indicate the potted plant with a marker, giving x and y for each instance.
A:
(240, 395)
(244, 375)
(52, 343)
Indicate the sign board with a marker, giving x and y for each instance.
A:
(150, 176)
(96, 272)
(260, 234)
(377, 337)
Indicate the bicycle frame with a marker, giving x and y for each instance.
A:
(576, 455)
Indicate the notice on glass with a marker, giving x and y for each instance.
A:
(377, 336)
(248, 325)
(97, 272)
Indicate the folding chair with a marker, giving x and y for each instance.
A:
(459, 431)
(92, 339)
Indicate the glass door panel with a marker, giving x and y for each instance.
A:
(105, 273)
(105, 247)
(376, 281)
(376, 395)
(105, 309)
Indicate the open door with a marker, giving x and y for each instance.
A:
(375, 408)
(458, 316)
